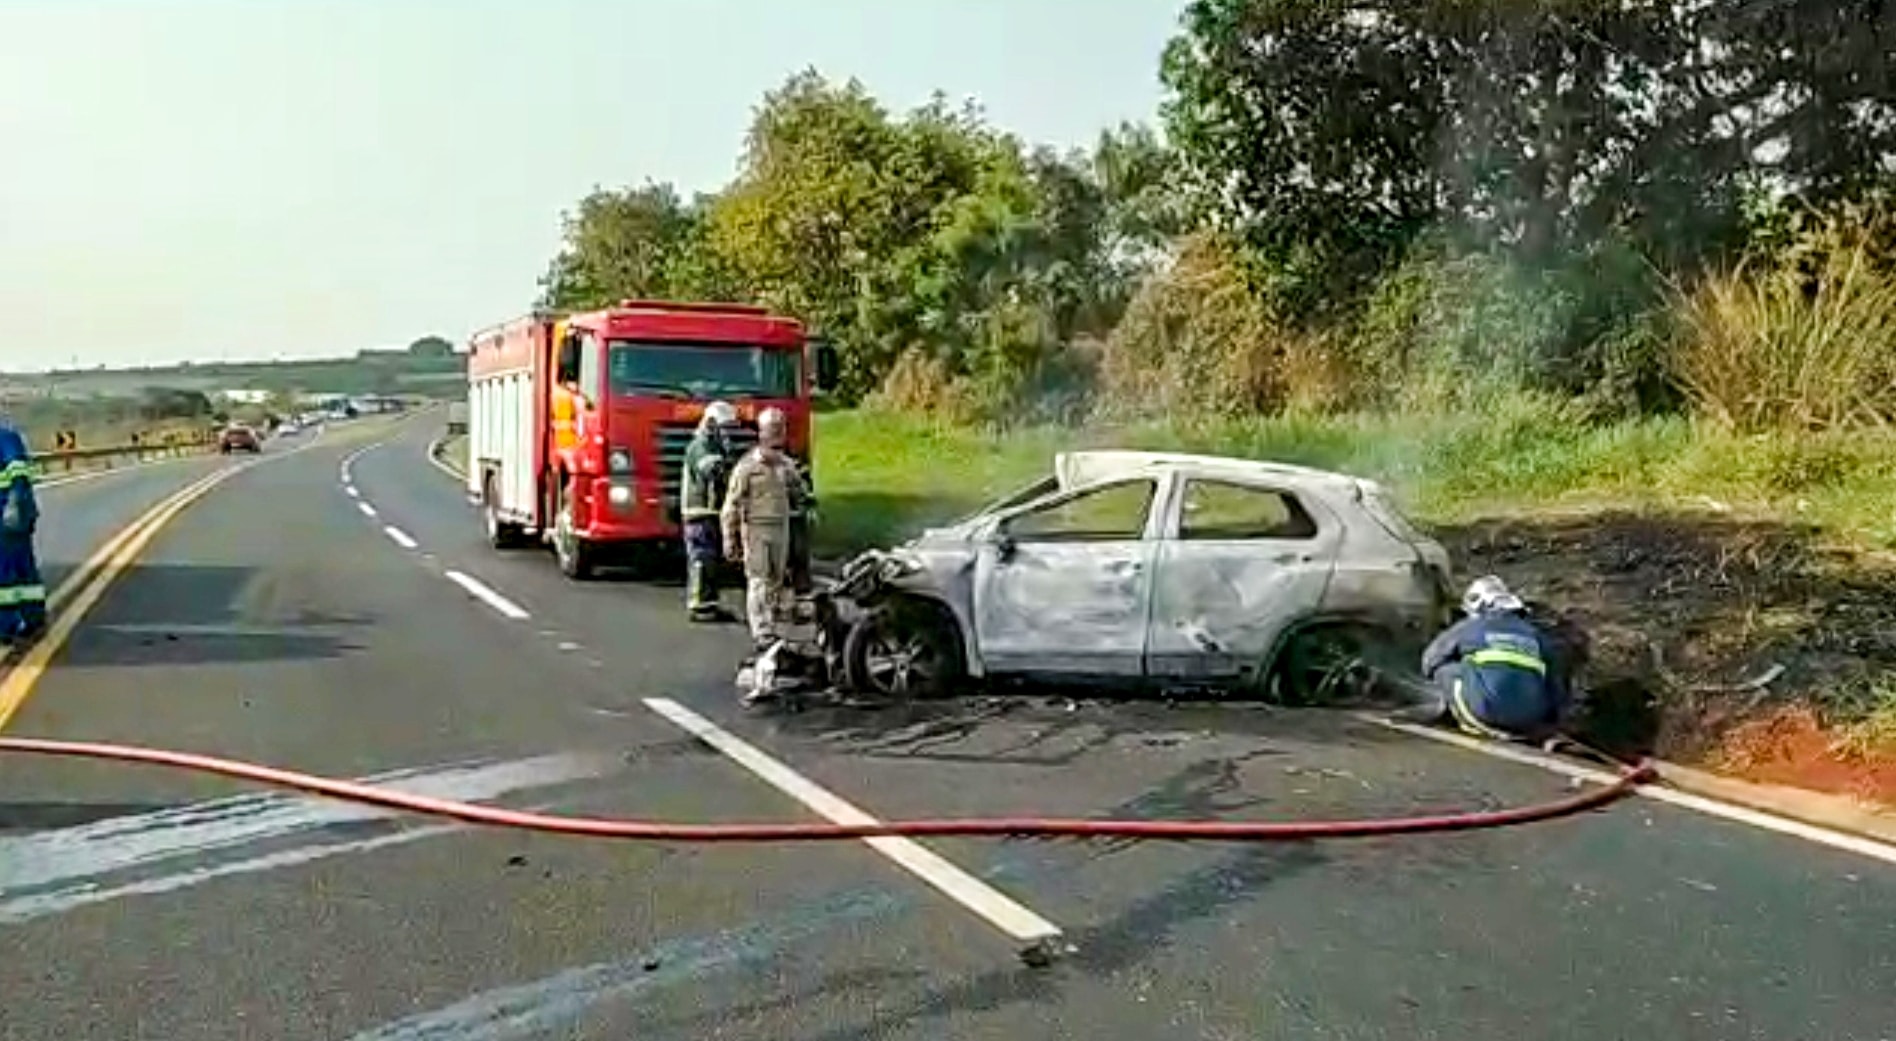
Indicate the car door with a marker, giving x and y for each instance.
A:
(1063, 587)
(1235, 564)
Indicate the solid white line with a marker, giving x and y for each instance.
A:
(997, 909)
(481, 592)
(367, 510)
(1857, 844)
(401, 538)
(436, 462)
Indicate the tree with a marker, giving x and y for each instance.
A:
(431, 347)
(1332, 138)
(619, 245)
(157, 403)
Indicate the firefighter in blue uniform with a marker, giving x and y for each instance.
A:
(708, 461)
(22, 593)
(1495, 673)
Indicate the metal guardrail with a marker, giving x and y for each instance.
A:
(67, 460)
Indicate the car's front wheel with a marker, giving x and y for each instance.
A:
(904, 649)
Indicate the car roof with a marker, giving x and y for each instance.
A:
(1073, 469)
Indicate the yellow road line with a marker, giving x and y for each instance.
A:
(85, 570)
(90, 581)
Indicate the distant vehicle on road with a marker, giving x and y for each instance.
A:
(578, 424)
(1154, 568)
(239, 437)
(289, 428)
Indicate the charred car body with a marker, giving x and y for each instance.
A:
(1143, 568)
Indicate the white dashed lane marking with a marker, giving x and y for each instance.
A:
(993, 906)
(480, 591)
(367, 510)
(986, 902)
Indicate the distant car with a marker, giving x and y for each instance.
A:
(1157, 568)
(289, 428)
(239, 438)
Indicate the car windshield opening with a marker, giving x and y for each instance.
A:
(702, 370)
(1044, 486)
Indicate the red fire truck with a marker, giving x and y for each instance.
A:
(578, 423)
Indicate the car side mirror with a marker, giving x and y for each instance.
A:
(566, 366)
(1004, 545)
(826, 361)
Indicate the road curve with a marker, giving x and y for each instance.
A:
(349, 620)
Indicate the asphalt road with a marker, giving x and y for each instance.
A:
(281, 620)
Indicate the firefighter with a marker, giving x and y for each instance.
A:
(802, 520)
(1495, 673)
(22, 592)
(700, 494)
(765, 488)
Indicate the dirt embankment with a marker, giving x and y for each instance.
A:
(1746, 646)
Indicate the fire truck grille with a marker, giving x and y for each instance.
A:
(673, 439)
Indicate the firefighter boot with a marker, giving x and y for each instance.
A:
(701, 592)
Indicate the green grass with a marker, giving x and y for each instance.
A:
(884, 477)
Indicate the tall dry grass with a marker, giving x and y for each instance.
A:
(1804, 341)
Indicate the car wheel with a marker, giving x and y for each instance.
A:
(1323, 664)
(575, 557)
(903, 650)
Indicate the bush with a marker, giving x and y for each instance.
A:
(1802, 340)
(1197, 338)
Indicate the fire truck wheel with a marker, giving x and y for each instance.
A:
(575, 556)
(500, 534)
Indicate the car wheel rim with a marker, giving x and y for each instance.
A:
(901, 664)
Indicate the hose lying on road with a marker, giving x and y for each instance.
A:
(656, 831)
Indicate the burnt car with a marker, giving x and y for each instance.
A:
(1154, 569)
(239, 438)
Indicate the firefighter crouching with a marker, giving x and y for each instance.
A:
(700, 495)
(765, 491)
(1496, 673)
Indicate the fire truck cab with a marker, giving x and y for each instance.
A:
(578, 423)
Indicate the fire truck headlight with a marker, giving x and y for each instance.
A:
(619, 495)
(619, 461)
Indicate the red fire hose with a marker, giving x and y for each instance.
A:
(654, 831)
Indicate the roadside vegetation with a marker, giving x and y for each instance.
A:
(1606, 290)
(117, 400)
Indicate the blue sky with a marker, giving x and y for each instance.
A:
(251, 178)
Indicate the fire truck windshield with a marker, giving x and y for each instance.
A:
(701, 370)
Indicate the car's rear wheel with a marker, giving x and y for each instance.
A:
(1323, 664)
(906, 649)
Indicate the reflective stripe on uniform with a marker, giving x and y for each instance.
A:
(1503, 656)
(1465, 717)
(699, 513)
(17, 470)
(13, 596)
